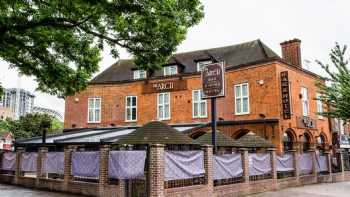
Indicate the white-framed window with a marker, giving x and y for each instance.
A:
(163, 106)
(170, 70)
(140, 74)
(242, 99)
(201, 64)
(94, 110)
(319, 105)
(130, 108)
(199, 107)
(305, 101)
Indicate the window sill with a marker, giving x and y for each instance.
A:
(130, 121)
(164, 119)
(94, 122)
(199, 117)
(242, 114)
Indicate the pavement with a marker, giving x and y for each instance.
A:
(321, 190)
(341, 189)
(13, 191)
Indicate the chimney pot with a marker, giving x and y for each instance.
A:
(291, 52)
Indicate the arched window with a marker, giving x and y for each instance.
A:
(306, 142)
(287, 141)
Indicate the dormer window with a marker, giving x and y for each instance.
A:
(170, 70)
(140, 74)
(201, 64)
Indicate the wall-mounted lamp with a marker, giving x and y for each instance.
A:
(260, 82)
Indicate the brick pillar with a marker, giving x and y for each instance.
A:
(340, 152)
(18, 171)
(122, 186)
(156, 170)
(329, 163)
(314, 162)
(296, 165)
(67, 166)
(273, 162)
(208, 166)
(103, 178)
(1, 155)
(245, 164)
(40, 164)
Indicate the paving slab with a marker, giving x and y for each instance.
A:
(14, 191)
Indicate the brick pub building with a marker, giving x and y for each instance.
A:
(272, 96)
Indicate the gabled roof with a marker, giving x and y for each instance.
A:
(221, 140)
(155, 133)
(234, 56)
(251, 140)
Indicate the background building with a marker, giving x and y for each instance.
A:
(272, 96)
(18, 100)
(51, 112)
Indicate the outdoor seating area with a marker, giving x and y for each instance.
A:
(157, 160)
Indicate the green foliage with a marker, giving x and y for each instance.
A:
(4, 127)
(32, 125)
(59, 41)
(1, 91)
(56, 125)
(336, 94)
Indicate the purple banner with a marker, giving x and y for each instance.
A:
(86, 164)
(322, 163)
(29, 162)
(9, 161)
(183, 164)
(127, 164)
(54, 163)
(227, 166)
(305, 162)
(259, 164)
(284, 163)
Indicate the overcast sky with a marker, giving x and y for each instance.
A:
(318, 23)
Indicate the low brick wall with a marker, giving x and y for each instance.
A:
(190, 191)
(155, 179)
(84, 188)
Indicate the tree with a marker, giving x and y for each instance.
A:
(1, 91)
(59, 41)
(32, 125)
(336, 92)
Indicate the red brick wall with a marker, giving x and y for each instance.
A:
(299, 79)
(113, 100)
(264, 99)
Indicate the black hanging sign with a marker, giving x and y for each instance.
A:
(285, 95)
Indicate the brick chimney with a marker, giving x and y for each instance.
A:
(291, 52)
